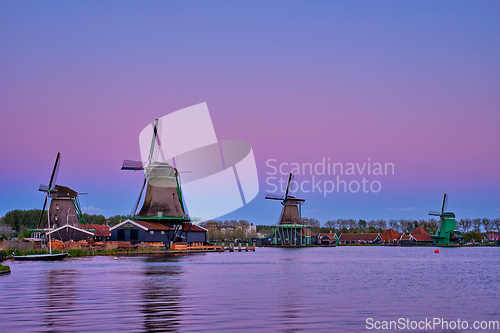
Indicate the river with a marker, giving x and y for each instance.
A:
(339, 289)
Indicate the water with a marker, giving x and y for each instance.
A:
(271, 290)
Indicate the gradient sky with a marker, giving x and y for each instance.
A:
(414, 83)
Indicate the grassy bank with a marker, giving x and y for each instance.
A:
(72, 253)
(4, 268)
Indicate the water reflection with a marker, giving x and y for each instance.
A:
(162, 294)
(60, 296)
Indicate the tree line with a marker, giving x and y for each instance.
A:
(21, 220)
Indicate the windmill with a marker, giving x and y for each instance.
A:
(447, 232)
(290, 230)
(163, 201)
(290, 214)
(64, 201)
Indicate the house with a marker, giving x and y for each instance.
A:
(101, 232)
(407, 240)
(491, 237)
(196, 234)
(70, 232)
(137, 231)
(141, 231)
(421, 236)
(328, 239)
(390, 236)
(361, 238)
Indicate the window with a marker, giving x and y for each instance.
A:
(56, 217)
(134, 234)
(163, 232)
(57, 206)
(121, 234)
(152, 232)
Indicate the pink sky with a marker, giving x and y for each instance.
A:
(412, 83)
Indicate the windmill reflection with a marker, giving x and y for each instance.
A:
(162, 294)
(60, 299)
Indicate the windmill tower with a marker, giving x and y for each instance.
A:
(290, 214)
(64, 204)
(290, 230)
(163, 201)
(447, 232)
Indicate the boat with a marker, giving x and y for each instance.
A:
(42, 257)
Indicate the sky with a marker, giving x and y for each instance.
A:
(413, 84)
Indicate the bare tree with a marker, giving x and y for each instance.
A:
(477, 224)
(487, 224)
(394, 224)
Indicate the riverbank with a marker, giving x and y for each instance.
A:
(4, 269)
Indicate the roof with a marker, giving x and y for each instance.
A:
(330, 236)
(306, 232)
(194, 227)
(421, 235)
(407, 237)
(492, 235)
(367, 237)
(143, 225)
(390, 235)
(73, 227)
(99, 229)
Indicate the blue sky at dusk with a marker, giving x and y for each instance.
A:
(412, 83)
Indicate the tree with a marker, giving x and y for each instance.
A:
(477, 224)
(487, 224)
(394, 224)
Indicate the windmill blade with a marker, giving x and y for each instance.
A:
(43, 188)
(445, 204)
(435, 213)
(140, 196)
(43, 209)
(274, 197)
(132, 165)
(288, 185)
(55, 171)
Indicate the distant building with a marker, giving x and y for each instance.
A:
(102, 232)
(361, 238)
(491, 236)
(390, 236)
(407, 240)
(421, 236)
(328, 239)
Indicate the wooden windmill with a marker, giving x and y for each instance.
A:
(64, 204)
(290, 214)
(163, 198)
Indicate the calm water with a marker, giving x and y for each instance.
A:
(320, 289)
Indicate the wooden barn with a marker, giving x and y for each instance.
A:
(362, 238)
(70, 232)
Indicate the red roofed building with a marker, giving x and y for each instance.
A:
(390, 236)
(328, 239)
(422, 236)
(362, 238)
(101, 232)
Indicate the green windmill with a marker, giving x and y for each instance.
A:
(447, 232)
